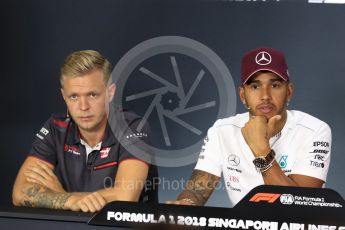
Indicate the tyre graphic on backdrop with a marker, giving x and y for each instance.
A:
(181, 87)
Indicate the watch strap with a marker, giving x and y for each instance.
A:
(266, 161)
(270, 156)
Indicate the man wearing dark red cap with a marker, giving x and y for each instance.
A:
(267, 145)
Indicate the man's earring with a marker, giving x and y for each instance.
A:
(244, 103)
(287, 103)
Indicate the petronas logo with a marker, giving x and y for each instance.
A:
(282, 161)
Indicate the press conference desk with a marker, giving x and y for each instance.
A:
(12, 218)
(274, 206)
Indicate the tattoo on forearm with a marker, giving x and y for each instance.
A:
(37, 196)
(199, 187)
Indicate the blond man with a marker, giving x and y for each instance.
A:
(76, 162)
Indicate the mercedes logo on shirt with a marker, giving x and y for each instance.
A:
(233, 160)
(263, 58)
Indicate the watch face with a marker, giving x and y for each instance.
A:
(260, 162)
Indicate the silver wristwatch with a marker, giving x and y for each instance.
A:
(263, 163)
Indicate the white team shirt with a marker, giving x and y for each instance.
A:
(302, 147)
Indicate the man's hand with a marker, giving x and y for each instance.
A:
(257, 132)
(42, 174)
(91, 202)
(273, 126)
(181, 202)
(37, 186)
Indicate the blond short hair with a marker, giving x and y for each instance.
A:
(83, 62)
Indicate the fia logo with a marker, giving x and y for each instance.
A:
(286, 199)
(283, 161)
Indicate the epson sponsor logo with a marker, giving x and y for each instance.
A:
(321, 143)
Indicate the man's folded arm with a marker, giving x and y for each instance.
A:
(275, 176)
(37, 186)
(31, 194)
(34, 187)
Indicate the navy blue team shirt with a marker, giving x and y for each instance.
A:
(58, 142)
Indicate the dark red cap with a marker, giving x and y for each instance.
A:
(263, 58)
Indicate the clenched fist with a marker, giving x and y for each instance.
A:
(257, 132)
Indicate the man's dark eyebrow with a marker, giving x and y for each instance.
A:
(277, 79)
(251, 81)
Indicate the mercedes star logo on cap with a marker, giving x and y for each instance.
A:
(263, 58)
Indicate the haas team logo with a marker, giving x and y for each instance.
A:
(104, 152)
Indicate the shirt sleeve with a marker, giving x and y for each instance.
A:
(136, 142)
(314, 159)
(210, 157)
(43, 146)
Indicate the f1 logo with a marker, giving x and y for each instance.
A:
(261, 196)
